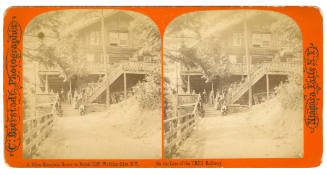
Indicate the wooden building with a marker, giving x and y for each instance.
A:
(124, 62)
(270, 62)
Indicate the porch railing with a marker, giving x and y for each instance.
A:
(241, 68)
(134, 66)
(114, 73)
(260, 70)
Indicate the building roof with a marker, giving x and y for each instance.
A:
(220, 23)
(253, 18)
(95, 18)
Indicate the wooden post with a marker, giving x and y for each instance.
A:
(188, 84)
(176, 73)
(70, 85)
(46, 83)
(125, 86)
(106, 61)
(248, 58)
(267, 85)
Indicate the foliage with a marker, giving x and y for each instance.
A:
(146, 34)
(192, 21)
(193, 58)
(205, 53)
(51, 47)
(289, 34)
(290, 94)
(28, 95)
(148, 92)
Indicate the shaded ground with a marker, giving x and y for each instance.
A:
(264, 131)
(104, 135)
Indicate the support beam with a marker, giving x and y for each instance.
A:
(46, 83)
(267, 85)
(176, 74)
(107, 61)
(188, 84)
(125, 86)
(70, 85)
(248, 57)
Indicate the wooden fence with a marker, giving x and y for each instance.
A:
(38, 127)
(178, 128)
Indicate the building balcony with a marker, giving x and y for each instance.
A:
(241, 68)
(129, 67)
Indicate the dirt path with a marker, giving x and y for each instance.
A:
(241, 135)
(93, 136)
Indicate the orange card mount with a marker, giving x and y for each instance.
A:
(163, 87)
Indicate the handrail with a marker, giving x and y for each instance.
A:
(36, 129)
(178, 128)
(259, 72)
(244, 86)
(113, 75)
(241, 68)
(117, 70)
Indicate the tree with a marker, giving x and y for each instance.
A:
(148, 92)
(198, 58)
(46, 44)
(203, 51)
(289, 34)
(146, 35)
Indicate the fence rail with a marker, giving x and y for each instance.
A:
(38, 127)
(178, 128)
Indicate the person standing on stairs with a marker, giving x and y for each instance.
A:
(205, 96)
(75, 97)
(218, 100)
(62, 96)
(211, 97)
(69, 97)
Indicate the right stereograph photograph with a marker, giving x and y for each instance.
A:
(233, 86)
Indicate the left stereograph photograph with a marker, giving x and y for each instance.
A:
(92, 86)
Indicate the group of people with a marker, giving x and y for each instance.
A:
(217, 99)
(78, 98)
(220, 99)
(116, 97)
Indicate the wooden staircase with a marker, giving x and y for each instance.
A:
(115, 72)
(211, 111)
(242, 88)
(260, 71)
(69, 110)
(113, 76)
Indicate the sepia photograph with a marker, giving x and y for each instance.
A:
(132, 86)
(233, 86)
(92, 86)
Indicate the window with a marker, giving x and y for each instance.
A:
(113, 38)
(118, 38)
(123, 39)
(261, 40)
(237, 39)
(147, 59)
